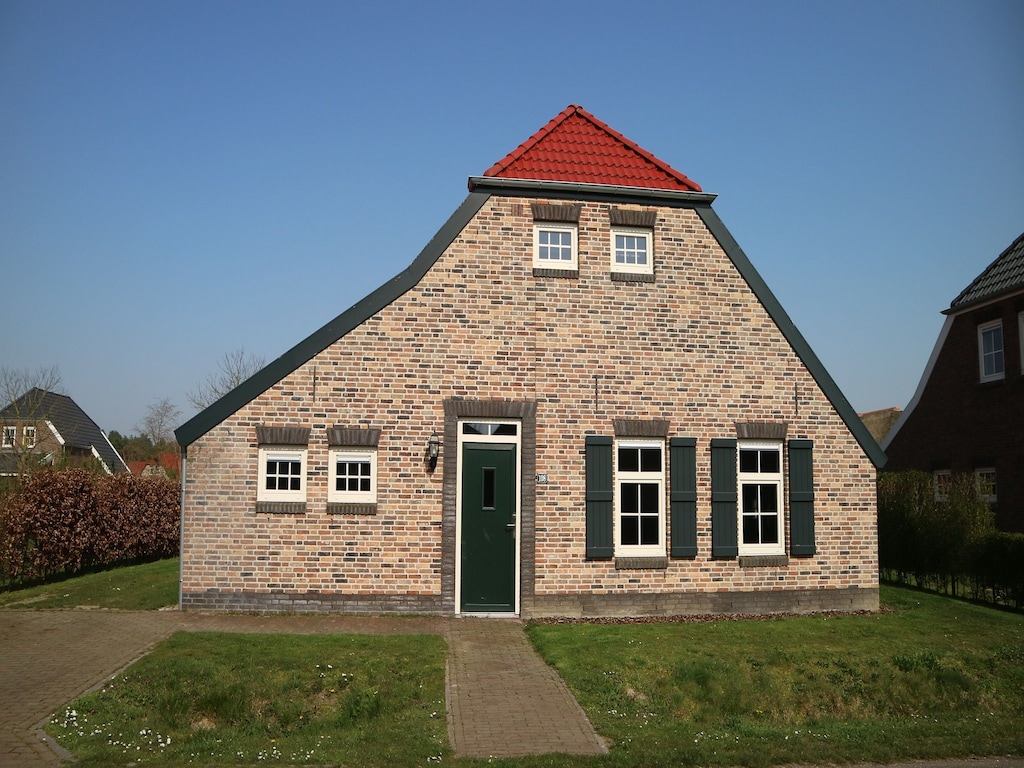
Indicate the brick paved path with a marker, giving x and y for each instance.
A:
(502, 699)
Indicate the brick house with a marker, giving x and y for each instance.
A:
(43, 427)
(579, 399)
(968, 411)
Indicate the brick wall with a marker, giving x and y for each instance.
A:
(694, 348)
(961, 424)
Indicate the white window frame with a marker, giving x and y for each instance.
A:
(943, 478)
(986, 481)
(761, 479)
(645, 477)
(638, 269)
(29, 437)
(545, 263)
(1020, 337)
(9, 435)
(360, 455)
(281, 453)
(995, 355)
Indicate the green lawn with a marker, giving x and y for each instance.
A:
(144, 587)
(930, 677)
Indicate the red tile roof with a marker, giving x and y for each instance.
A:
(576, 147)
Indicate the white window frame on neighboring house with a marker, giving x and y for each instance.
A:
(985, 480)
(542, 258)
(277, 454)
(991, 351)
(625, 254)
(29, 437)
(758, 481)
(639, 497)
(9, 435)
(943, 479)
(359, 486)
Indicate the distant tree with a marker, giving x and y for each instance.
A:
(159, 422)
(21, 401)
(232, 369)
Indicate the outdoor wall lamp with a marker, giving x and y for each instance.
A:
(433, 450)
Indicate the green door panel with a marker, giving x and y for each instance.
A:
(488, 528)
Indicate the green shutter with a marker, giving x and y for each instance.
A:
(600, 496)
(801, 498)
(683, 497)
(724, 527)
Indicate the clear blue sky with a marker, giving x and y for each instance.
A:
(170, 170)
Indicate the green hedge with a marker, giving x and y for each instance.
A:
(60, 522)
(949, 545)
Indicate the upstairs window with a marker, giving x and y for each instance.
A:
(30, 437)
(990, 351)
(282, 475)
(554, 246)
(760, 492)
(631, 251)
(7, 440)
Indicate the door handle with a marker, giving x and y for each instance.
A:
(510, 526)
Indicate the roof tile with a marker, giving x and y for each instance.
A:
(1003, 275)
(576, 147)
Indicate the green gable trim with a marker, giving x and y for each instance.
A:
(792, 334)
(351, 318)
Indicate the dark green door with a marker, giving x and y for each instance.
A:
(488, 527)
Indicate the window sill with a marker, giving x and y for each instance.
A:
(632, 277)
(763, 561)
(280, 507)
(641, 563)
(348, 508)
(549, 272)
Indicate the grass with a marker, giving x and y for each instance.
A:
(224, 699)
(145, 587)
(929, 678)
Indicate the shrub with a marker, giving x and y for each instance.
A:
(61, 521)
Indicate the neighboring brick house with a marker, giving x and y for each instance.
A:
(579, 399)
(42, 427)
(967, 415)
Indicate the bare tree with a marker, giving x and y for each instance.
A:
(232, 369)
(159, 422)
(23, 415)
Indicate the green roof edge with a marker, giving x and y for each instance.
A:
(319, 340)
(481, 190)
(792, 333)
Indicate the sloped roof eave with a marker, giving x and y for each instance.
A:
(337, 328)
(585, 191)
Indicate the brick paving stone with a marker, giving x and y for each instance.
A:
(504, 701)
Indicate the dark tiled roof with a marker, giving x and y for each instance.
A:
(75, 427)
(576, 147)
(1003, 275)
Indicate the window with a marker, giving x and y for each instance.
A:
(1020, 335)
(30, 437)
(554, 246)
(282, 474)
(990, 351)
(631, 251)
(640, 498)
(353, 476)
(760, 497)
(8, 437)
(943, 480)
(986, 483)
